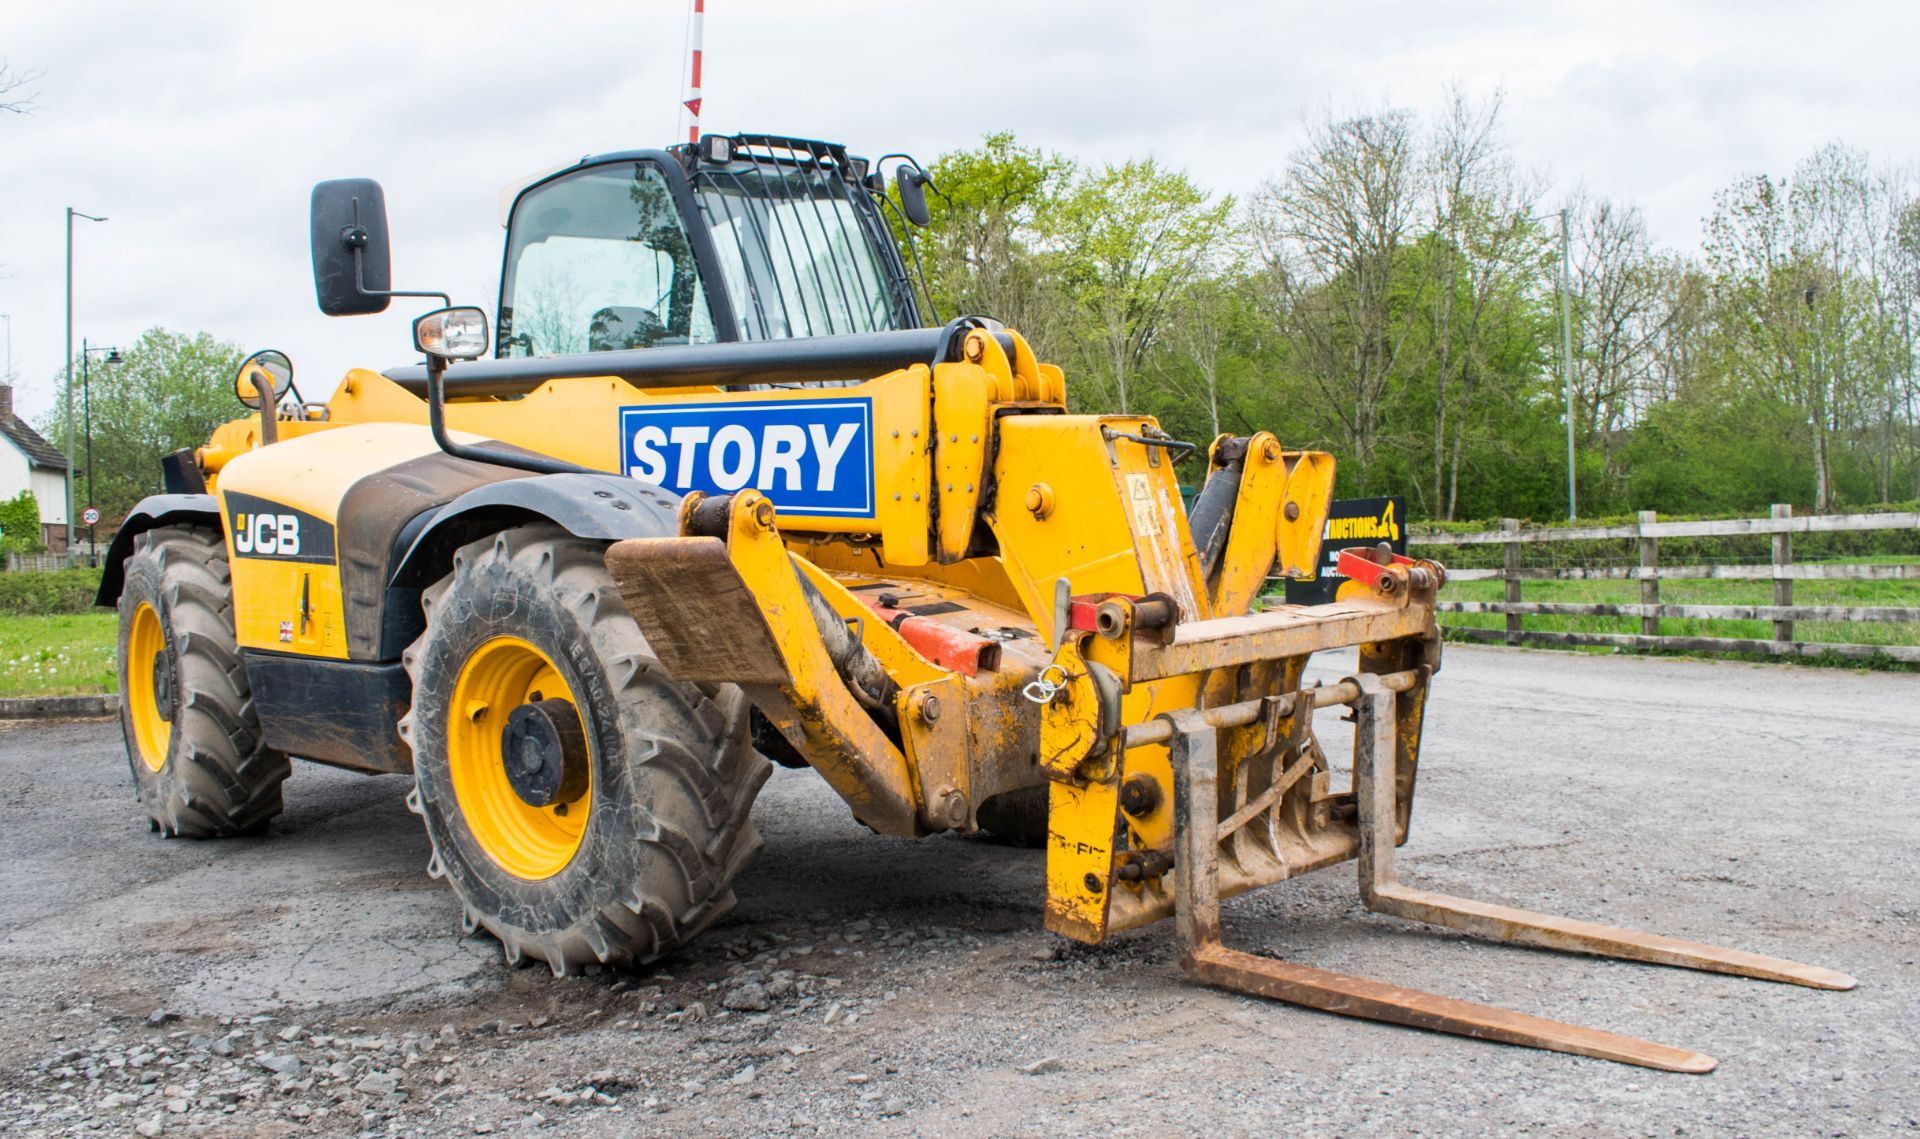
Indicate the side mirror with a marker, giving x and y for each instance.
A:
(268, 370)
(452, 334)
(911, 182)
(352, 261)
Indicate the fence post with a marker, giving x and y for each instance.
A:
(1512, 575)
(1649, 584)
(1782, 586)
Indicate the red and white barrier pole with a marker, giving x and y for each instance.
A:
(693, 74)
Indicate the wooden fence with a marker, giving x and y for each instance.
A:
(1781, 570)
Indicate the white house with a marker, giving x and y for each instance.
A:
(28, 462)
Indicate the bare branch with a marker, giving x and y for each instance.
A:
(15, 89)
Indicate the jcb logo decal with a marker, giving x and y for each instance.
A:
(266, 534)
(263, 529)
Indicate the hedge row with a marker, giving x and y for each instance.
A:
(56, 591)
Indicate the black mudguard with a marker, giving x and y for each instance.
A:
(587, 505)
(153, 510)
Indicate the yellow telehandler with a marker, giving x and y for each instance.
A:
(711, 494)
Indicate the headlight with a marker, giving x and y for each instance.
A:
(452, 333)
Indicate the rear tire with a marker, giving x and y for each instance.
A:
(186, 710)
(669, 779)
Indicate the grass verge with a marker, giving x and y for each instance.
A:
(65, 654)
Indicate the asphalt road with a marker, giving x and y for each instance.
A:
(315, 981)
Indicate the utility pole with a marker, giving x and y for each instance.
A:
(1566, 354)
(72, 530)
(7, 377)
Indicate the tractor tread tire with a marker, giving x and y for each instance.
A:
(675, 775)
(219, 778)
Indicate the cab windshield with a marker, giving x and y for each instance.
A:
(597, 261)
(799, 252)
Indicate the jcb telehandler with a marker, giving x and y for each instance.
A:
(719, 498)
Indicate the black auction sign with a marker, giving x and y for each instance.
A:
(1351, 522)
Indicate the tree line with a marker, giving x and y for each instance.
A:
(1391, 294)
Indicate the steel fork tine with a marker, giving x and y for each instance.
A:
(1381, 889)
(1196, 773)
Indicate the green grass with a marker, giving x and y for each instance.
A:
(59, 655)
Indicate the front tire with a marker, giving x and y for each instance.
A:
(193, 741)
(630, 845)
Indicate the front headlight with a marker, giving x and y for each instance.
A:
(452, 333)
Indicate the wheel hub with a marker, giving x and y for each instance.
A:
(163, 685)
(545, 752)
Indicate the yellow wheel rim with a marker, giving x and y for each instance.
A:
(146, 658)
(526, 841)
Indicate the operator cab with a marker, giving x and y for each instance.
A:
(745, 237)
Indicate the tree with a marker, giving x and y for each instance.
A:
(1618, 291)
(1330, 234)
(984, 250)
(1804, 311)
(1464, 152)
(1487, 294)
(1129, 238)
(20, 524)
(171, 390)
(1203, 314)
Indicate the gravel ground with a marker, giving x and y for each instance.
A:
(314, 981)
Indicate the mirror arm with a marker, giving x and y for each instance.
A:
(269, 409)
(355, 238)
(437, 422)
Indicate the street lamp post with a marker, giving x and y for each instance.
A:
(72, 531)
(86, 404)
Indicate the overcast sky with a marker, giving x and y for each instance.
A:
(199, 127)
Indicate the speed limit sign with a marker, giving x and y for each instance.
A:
(90, 516)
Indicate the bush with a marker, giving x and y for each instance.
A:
(55, 591)
(20, 524)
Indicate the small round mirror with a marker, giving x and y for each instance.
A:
(267, 368)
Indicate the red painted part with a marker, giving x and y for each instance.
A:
(1080, 616)
(939, 642)
(1357, 564)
